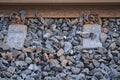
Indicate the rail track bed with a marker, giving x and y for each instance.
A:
(40, 41)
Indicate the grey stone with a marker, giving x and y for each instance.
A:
(92, 43)
(75, 70)
(28, 60)
(112, 46)
(57, 69)
(86, 70)
(98, 75)
(118, 68)
(47, 78)
(118, 21)
(16, 36)
(1, 36)
(47, 35)
(22, 14)
(11, 69)
(80, 65)
(27, 72)
(96, 63)
(104, 67)
(33, 67)
(54, 39)
(115, 34)
(2, 66)
(6, 74)
(103, 37)
(44, 73)
(46, 68)
(113, 73)
(20, 63)
(101, 50)
(30, 78)
(85, 34)
(118, 41)
(53, 26)
(2, 78)
(97, 56)
(62, 74)
(5, 46)
(19, 78)
(54, 78)
(80, 77)
(53, 62)
(67, 46)
(77, 57)
(23, 76)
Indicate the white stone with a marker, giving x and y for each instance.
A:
(92, 43)
(16, 35)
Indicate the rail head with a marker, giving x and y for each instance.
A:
(60, 1)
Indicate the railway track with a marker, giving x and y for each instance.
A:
(59, 40)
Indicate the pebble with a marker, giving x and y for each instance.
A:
(46, 57)
(5, 46)
(86, 70)
(101, 50)
(20, 63)
(97, 56)
(11, 69)
(53, 62)
(115, 34)
(118, 41)
(9, 56)
(112, 46)
(85, 34)
(118, 21)
(1, 36)
(113, 73)
(80, 77)
(29, 49)
(33, 67)
(67, 46)
(75, 70)
(60, 52)
(105, 30)
(103, 37)
(28, 60)
(73, 22)
(98, 75)
(64, 62)
(80, 65)
(53, 26)
(96, 63)
(47, 35)
(47, 78)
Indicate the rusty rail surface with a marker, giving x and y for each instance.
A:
(59, 1)
(61, 8)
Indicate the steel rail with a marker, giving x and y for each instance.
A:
(61, 8)
(59, 1)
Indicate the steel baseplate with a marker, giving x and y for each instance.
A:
(16, 35)
(95, 30)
